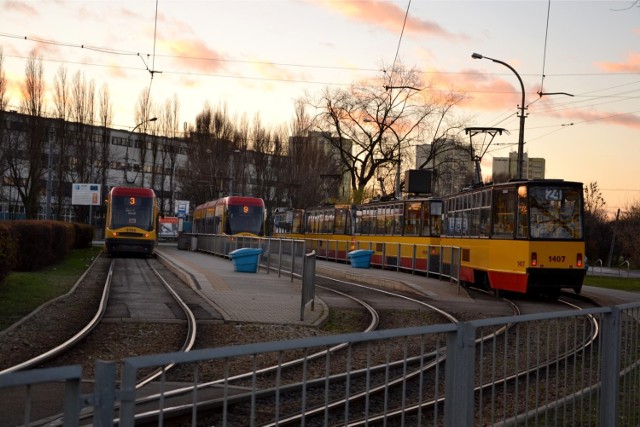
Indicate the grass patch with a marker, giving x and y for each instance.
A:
(342, 321)
(630, 284)
(21, 293)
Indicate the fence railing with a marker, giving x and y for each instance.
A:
(431, 260)
(539, 369)
(281, 256)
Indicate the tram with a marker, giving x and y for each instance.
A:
(233, 215)
(132, 221)
(523, 236)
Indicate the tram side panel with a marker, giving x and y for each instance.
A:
(521, 265)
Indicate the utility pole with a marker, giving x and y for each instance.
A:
(47, 211)
(613, 239)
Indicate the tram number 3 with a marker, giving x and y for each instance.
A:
(556, 258)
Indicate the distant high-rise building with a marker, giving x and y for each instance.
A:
(505, 168)
(451, 163)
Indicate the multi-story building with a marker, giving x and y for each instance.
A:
(335, 182)
(505, 168)
(69, 153)
(451, 163)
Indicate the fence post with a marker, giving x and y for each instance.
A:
(414, 260)
(459, 376)
(610, 366)
(104, 393)
(293, 258)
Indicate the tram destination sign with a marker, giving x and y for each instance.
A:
(85, 194)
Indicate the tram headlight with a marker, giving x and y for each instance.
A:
(534, 259)
(579, 260)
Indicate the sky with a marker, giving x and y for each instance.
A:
(257, 57)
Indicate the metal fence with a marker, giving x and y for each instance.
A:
(556, 368)
(430, 260)
(281, 256)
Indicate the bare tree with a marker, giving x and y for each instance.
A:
(268, 147)
(628, 235)
(143, 113)
(209, 143)
(374, 124)
(240, 161)
(23, 150)
(169, 127)
(598, 231)
(594, 203)
(105, 115)
(62, 166)
(4, 102)
(310, 172)
(85, 151)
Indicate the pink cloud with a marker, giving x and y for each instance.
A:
(386, 15)
(632, 65)
(597, 117)
(20, 7)
(486, 92)
(193, 55)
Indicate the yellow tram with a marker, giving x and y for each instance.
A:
(522, 236)
(132, 221)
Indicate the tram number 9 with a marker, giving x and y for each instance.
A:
(556, 258)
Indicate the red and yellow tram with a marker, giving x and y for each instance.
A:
(233, 215)
(521, 236)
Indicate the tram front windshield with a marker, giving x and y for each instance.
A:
(556, 212)
(245, 219)
(128, 211)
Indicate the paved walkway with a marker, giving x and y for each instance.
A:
(434, 288)
(266, 298)
(242, 297)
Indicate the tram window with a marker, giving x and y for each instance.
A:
(340, 221)
(523, 213)
(393, 220)
(488, 195)
(485, 221)
(474, 229)
(464, 224)
(358, 225)
(412, 219)
(556, 212)
(296, 226)
(378, 224)
(453, 223)
(426, 219)
(435, 218)
(328, 222)
(504, 208)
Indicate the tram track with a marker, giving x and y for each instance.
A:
(100, 333)
(405, 367)
(401, 381)
(393, 370)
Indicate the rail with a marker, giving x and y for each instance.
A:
(596, 386)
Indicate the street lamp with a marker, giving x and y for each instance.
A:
(126, 156)
(522, 115)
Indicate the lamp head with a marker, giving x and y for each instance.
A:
(476, 56)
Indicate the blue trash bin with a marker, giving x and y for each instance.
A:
(245, 260)
(360, 258)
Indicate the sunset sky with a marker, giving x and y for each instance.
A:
(257, 57)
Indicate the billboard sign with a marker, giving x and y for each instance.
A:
(86, 194)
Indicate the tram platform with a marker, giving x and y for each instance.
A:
(266, 298)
